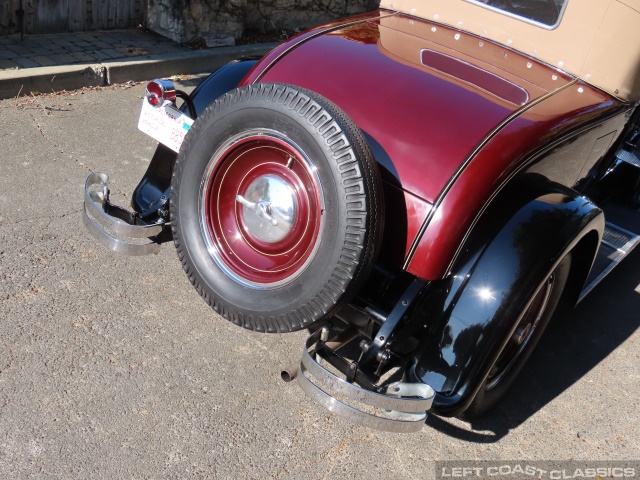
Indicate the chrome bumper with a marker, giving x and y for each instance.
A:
(106, 222)
(401, 408)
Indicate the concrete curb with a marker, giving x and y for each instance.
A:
(49, 79)
(70, 77)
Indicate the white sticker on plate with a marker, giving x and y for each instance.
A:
(166, 124)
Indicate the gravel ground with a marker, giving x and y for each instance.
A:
(113, 367)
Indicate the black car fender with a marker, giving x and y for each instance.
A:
(153, 190)
(518, 242)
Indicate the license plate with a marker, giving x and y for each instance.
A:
(166, 124)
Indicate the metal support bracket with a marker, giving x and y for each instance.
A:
(375, 351)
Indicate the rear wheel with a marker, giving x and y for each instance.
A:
(530, 327)
(276, 207)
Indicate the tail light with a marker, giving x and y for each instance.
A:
(160, 92)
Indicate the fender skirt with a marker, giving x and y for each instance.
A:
(491, 284)
(153, 190)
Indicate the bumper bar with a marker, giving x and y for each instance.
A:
(401, 409)
(106, 222)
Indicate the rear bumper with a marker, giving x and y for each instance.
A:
(400, 407)
(115, 227)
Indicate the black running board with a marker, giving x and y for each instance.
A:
(616, 244)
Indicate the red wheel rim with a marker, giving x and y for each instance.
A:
(261, 209)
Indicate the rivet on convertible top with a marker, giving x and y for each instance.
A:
(436, 16)
(457, 36)
(560, 64)
(413, 10)
(509, 42)
(580, 90)
(529, 65)
(481, 44)
(433, 29)
(587, 76)
(554, 77)
(459, 24)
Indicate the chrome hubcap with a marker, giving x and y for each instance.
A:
(268, 209)
(261, 204)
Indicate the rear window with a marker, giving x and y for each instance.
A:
(544, 13)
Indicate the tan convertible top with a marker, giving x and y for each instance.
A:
(596, 40)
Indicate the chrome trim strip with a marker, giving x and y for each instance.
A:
(440, 198)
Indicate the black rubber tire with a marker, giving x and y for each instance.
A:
(491, 392)
(350, 182)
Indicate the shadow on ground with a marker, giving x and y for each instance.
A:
(192, 82)
(570, 348)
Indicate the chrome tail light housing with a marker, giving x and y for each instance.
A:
(160, 93)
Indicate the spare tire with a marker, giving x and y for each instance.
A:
(276, 207)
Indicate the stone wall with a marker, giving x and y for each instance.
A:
(294, 15)
(222, 22)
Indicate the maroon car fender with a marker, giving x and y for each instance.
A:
(559, 117)
(425, 96)
(450, 120)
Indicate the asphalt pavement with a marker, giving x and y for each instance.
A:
(113, 367)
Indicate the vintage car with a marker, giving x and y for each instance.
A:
(421, 187)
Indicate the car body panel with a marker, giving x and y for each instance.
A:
(425, 124)
(577, 107)
(413, 112)
(596, 40)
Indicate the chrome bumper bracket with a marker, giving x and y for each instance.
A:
(401, 409)
(107, 222)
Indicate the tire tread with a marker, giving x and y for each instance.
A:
(362, 190)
